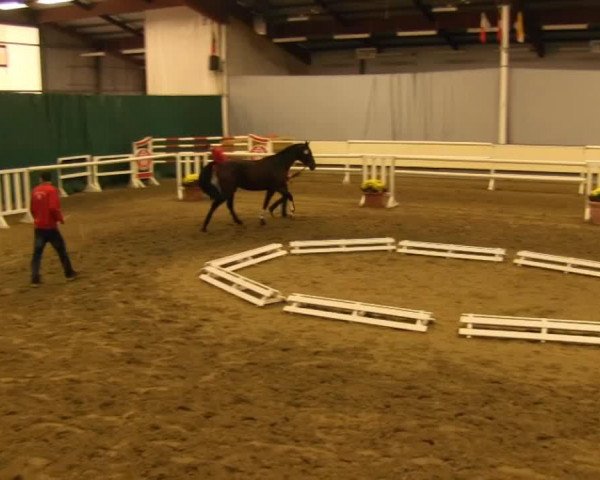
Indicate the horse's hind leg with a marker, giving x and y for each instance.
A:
(215, 204)
(268, 197)
(236, 219)
(285, 196)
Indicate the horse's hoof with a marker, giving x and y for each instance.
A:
(262, 221)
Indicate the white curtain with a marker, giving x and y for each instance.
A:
(444, 106)
(555, 107)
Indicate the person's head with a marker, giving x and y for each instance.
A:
(45, 177)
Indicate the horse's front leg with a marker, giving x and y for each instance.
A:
(285, 196)
(215, 204)
(236, 219)
(268, 197)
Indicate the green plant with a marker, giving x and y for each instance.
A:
(373, 185)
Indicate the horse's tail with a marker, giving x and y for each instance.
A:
(206, 184)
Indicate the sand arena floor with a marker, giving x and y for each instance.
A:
(140, 371)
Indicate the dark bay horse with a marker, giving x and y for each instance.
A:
(221, 181)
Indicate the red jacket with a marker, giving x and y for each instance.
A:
(45, 207)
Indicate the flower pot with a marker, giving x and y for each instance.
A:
(192, 193)
(376, 200)
(594, 212)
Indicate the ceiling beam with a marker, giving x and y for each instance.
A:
(110, 48)
(300, 53)
(127, 43)
(457, 21)
(427, 12)
(328, 11)
(215, 10)
(122, 25)
(424, 9)
(245, 16)
(107, 7)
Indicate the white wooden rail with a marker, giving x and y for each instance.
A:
(240, 260)
(242, 287)
(555, 262)
(86, 172)
(15, 195)
(380, 315)
(342, 245)
(188, 163)
(541, 329)
(451, 251)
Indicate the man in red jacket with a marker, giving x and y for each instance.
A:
(45, 208)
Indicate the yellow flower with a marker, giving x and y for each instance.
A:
(373, 185)
(191, 179)
(596, 192)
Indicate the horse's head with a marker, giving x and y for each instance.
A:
(306, 156)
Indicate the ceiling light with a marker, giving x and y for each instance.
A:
(93, 54)
(449, 8)
(12, 5)
(478, 30)
(289, 39)
(351, 36)
(133, 51)
(567, 26)
(52, 2)
(416, 33)
(298, 18)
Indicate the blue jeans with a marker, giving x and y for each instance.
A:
(41, 237)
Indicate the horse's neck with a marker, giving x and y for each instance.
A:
(287, 159)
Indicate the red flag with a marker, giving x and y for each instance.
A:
(520, 28)
(484, 25)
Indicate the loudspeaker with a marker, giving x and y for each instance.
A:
(214, 63)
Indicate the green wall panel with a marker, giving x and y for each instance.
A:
(36, 129)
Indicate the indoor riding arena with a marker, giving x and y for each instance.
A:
(416, 299)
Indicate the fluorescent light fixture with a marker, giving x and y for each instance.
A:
(567, 26)
(298, 18)
(12, 5)
(133, 51)
(416, 33)
(478, 30)
(93, 54)
(52, 2)
(449, 8)
(289, 39)
(351, 36)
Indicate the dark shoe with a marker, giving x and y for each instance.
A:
(72, 276)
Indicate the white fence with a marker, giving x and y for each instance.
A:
(463, 160)
(188, 164)
(161, 145)
(86, 172)
(15, 194)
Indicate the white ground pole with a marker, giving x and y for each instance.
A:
(504, 71)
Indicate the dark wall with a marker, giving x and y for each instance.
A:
(36, 129)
